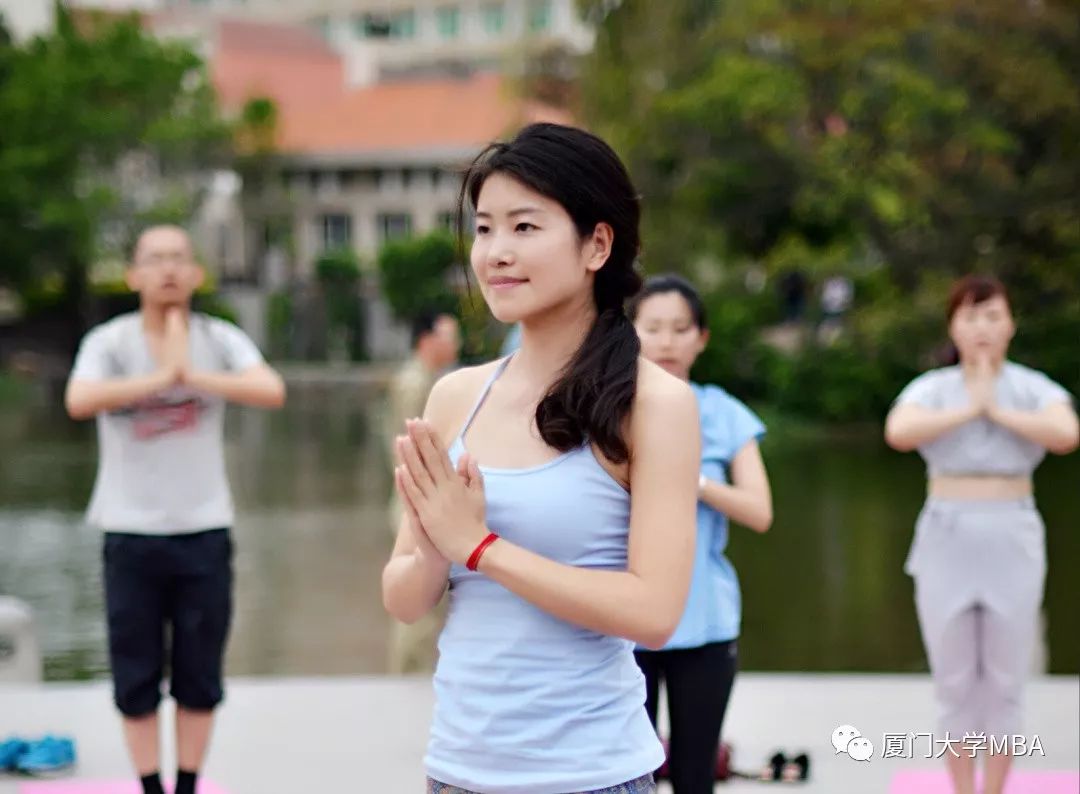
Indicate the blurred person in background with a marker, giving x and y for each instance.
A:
(436, 344)
(157, 381)
(697, 665)
(979, 554)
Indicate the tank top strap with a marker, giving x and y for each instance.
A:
(483, 396)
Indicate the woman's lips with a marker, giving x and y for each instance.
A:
(504, 282)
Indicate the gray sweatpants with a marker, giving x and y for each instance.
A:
(979, 570)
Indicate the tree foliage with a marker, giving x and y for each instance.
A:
(414, 274)
(104, 127)
(922, 138)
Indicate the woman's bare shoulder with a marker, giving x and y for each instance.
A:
(664, 409)
(660, 391)
(454, 394)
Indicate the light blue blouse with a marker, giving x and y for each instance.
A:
(714, 606)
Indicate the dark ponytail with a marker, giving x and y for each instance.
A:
(594, 393)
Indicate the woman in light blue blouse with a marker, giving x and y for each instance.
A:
(698, 663)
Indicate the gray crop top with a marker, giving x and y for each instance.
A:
(980, 446)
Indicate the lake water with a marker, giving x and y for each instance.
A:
(822, 591)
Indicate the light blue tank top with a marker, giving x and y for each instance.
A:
(526, 702)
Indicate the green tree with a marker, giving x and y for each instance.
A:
(338, 272)
(79, 106)
(923, 137)
(415, 274)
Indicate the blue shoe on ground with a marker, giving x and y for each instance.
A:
(11, 750)
(47, 756)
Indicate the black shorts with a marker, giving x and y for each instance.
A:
(182, 583)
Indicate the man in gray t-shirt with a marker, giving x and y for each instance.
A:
(157, 381)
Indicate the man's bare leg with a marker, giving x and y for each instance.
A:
(141, 734)
(192, 737)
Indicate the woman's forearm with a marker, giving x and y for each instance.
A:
(412, 585)
(749, 508)
(618, 603)
(1054, 429)
(909, 426)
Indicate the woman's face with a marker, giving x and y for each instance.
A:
(669, 336)
(982, 329)
(527, 255)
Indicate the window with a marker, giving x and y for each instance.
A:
(494, 18)
(392, 180)
(336, 231)
(394, 226)
(447, 221)
(403, 25)
(539, 15)
(448, 21)
(327, 182)
(398, 25)
(370, 26)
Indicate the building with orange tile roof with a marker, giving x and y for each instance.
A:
(356, 165)
(359, 166)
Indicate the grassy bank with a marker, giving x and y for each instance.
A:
(14, 390)
(793, 429)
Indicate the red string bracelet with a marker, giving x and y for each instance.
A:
(478, 552)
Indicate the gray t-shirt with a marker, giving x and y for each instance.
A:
(982, 447)
(162, 461)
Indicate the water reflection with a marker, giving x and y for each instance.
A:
(823, 590)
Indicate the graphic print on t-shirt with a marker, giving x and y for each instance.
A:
(163, 414)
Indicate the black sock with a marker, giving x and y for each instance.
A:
(185, 782)
(151, 784)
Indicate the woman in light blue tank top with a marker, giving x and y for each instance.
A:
(553, 492)
(697, 666)
(979, 554)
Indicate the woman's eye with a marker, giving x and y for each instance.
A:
(482, 229)
(524, 227)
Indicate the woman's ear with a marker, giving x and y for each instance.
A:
(598, 246)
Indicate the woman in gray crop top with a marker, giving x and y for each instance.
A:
(979, 557)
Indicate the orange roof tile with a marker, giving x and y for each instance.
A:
(289, 64)
(319, 115)
(407, 115)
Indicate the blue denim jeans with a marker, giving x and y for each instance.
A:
(641, 785)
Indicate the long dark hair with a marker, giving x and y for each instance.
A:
(594, 393)
(671, 282)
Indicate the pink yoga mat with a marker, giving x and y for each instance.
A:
(102, 787)
(937, 782)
